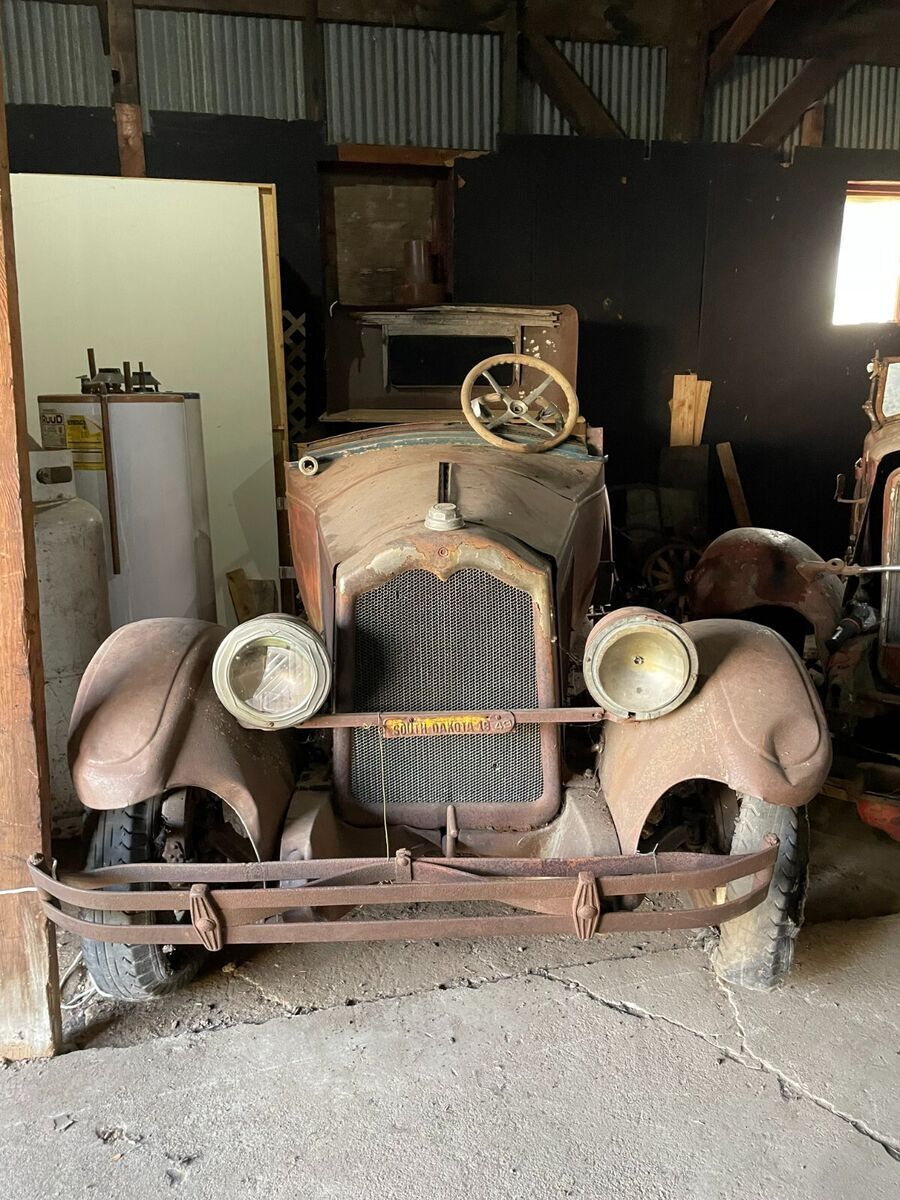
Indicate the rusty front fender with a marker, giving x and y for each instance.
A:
(757, 568)
(754, 723)
(147, 719)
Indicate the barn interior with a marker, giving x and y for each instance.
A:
(260, 258)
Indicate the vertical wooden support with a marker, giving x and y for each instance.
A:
(509, 70)
(686, 62)
(268, 215)
(126, 86)
(314, 65)
(29, 982)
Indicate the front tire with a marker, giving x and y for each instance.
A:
(756, 951)
(135, 973)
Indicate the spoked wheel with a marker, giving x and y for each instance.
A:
(667, 572)
(504, 407)
(756, 950)
(125, 837)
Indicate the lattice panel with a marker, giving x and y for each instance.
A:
(295, 375)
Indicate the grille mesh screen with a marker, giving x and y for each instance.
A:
(465, 644)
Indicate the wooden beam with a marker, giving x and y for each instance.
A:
(734, 485)
(812, 125)
(29, 982)
(720, 11)
(314, 64)
(552, 71)
(742, 27)
(126, 87)
(686, 59)
(810, 84)
(402, 156)
(640, 22)
(509, 70)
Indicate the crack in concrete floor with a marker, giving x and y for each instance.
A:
(744, 1055)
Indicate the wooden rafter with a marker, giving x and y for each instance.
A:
(808, 86)
(553, 72)
(744, 25)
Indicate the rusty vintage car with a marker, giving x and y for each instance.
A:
(847, 609)
(460, 720)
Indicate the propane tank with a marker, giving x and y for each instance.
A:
(74, 610)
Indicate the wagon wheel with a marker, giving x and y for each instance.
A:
(667, 572)
(503, 406)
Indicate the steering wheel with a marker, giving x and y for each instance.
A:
(513, 404)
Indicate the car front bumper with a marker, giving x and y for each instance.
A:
(223, 904)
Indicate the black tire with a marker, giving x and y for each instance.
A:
(756, 951)
(134, 973)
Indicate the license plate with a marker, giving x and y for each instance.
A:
(449, 723)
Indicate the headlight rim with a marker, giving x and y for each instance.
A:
(610, 629)
(301, 637)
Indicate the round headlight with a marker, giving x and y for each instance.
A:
(272, 672)
(639, 663)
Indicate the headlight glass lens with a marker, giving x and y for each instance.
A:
(639, 664)
(272, 672)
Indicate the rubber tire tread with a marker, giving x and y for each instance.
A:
(134, 973)
(756, 951)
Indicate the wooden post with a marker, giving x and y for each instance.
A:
(314, 64)
(509, 70)
(29, 982)
(686, 60)
(126, 86)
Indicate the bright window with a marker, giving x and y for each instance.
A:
(868, 276)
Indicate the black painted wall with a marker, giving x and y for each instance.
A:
(712, 258)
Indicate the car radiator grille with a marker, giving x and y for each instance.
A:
(424, 644)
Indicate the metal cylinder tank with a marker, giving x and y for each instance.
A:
(139, 459)
(74, 610)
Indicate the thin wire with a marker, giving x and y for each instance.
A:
(16, 891)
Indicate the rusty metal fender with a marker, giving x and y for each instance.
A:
(754, 723)
(752, 568)
(147, 719)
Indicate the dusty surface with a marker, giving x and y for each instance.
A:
(494, 1069)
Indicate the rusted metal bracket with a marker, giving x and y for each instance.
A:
(586, 906)
(205, 917)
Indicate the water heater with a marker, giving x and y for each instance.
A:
(138, 456)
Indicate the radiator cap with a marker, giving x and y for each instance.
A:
(443, 516)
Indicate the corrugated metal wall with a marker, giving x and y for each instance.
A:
(241, 66)
(862, 109)
(413, 87)
(54, 54)
(629, 80)
(397, 86)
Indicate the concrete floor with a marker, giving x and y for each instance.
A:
(617, 1068)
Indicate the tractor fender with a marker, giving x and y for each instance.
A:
(753, 722)
(147, 719)
(745, 569)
